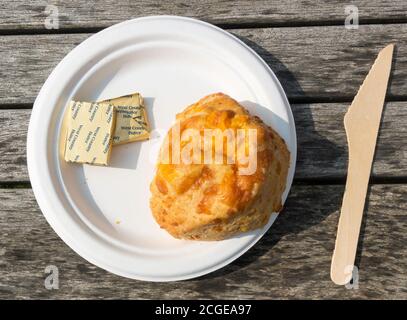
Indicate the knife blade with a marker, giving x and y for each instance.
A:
(362, 122)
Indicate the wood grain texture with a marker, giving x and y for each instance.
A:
(291, 261)
(322, 148)
(313, 63)
(23, 15)
(13, 137)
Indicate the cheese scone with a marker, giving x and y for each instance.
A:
(208, 199)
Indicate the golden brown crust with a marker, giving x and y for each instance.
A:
(213, 201)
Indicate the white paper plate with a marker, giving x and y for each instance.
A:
(172, 62)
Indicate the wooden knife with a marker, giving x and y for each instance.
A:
(362, 123)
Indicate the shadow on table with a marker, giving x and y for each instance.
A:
(300, 213)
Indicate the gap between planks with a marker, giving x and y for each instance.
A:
(292, 101)
(226, 26)
(296, 181)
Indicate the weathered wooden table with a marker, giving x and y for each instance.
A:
(320, 64)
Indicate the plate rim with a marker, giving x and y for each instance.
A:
(67, 238)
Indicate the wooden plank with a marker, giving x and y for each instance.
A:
(322, 145)
(315, 63)
(13, 137)
(328, 62)
(19, 14)
(322, 148)
(291, 261)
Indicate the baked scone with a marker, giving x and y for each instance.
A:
(211, 200)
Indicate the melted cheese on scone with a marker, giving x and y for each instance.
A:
(212, 201)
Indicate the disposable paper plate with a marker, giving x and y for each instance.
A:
(103, 212)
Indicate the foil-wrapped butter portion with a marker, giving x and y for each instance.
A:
(131, 119)
(89, 131)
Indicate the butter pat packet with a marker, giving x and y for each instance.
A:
(89, 133)
(131, 119)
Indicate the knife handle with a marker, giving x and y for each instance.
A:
(350, 219)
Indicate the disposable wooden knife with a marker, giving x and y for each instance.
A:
(362, 122)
